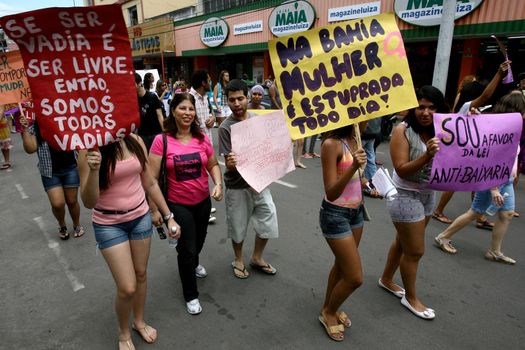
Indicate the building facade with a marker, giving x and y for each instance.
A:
(247, 28)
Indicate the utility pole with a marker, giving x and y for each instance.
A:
(446, 32)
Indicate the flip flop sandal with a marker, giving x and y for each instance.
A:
(63, 234)
(441, 218)
(144, 331)
(267, 269)
(244, 272)
(79, 232)
(5, 166)
(127, 343)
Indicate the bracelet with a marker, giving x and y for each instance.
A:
(168, 217)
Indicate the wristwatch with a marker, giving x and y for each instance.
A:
(166, 218)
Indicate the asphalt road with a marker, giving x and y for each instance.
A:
(59, 294)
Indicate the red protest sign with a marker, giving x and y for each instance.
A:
(13, 82)
(78, 63)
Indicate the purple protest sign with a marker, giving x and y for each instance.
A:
(476, 152)
(509, 78)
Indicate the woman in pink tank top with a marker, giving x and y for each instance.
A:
(341, 221)
(113, 182)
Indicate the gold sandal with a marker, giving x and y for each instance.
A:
(145, 330)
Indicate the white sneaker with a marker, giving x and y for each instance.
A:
(200, 271)
(212, 219)
(213, 210)
(194, 307)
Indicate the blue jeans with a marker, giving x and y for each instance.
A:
(65, 178)
(110, 235)
(370, 169)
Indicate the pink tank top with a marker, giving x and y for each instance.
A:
(125, 192)
(351, 196)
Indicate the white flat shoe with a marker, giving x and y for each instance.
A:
(399, 293)
(428, 314)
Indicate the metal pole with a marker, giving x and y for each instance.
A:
(446, 32)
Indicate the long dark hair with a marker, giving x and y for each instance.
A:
(111, 153)
(435, 96)
(147, 83)
(221, 78)
(170, 125)
(512, 102)
(469, 92)
(339, 133)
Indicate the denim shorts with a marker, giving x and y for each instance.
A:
(65, 178)
(338, 222)
(136, 229)
(411, 206)
(483, 199)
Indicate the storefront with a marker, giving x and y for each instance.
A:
(243, 48)
(153, 47)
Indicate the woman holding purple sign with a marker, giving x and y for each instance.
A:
(412, 148)
(500, 198)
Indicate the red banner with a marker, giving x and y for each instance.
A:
(78, 63)
(13, 82)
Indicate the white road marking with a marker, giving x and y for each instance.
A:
(284, 183)
(21, 191)
(55, 247)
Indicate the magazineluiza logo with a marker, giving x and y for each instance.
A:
(245, 28)
(429, 12)
(291, 17)
(354, 11)
(214, 32)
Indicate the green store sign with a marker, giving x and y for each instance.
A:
(291, 17)
(214, 32)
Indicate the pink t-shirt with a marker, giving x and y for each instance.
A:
(125, 192)
(185, 168)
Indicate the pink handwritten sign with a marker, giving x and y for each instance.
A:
(264, 149)
(476, 152)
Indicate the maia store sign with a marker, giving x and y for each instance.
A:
(214, 32)
(291, 17)
(428, 12)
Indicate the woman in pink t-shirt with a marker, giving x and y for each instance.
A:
(113, 182)
(189, 159)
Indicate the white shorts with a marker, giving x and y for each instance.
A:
(245, 205)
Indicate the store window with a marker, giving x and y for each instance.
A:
(219, 5)
(133, 16)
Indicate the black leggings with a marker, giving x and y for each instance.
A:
(193, 221)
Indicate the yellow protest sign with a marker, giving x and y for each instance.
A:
(13, 81)
(342, 74)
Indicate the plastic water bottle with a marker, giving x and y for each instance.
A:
(161, 232)
(172, 242)
(493, 208)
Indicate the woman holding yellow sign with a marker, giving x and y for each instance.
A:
(341, 219)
